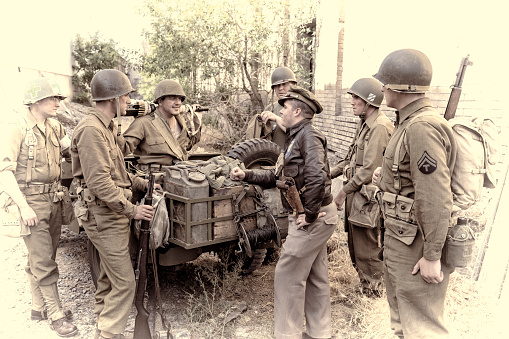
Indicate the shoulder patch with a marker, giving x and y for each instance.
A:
(427, 164)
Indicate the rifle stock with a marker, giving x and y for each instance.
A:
(141, 326)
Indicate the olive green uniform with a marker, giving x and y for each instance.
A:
(40, 194)
(149, 137)
(427, 160)
(98, 163)
(270, 131)
(364, 156)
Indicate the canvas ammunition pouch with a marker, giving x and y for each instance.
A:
(459, 244)
(364, 210)
(399, 219)
(62, 194)
(86, 198)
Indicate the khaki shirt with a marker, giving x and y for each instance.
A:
(366, 151)
(149, 137)
(427, 161)
(14, 150)
(97, 159)
(277, 134)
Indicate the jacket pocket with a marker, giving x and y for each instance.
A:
(401, 230)
(291, 171)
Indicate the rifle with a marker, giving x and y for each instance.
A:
(454, 98)
(141, 327)
(141, 107)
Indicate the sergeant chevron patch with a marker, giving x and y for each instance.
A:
(427, 164)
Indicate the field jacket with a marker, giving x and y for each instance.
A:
(305, 160)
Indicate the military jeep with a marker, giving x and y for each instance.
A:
(239, 222)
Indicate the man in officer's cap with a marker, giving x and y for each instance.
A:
(301, 284)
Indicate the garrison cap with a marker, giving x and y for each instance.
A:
(302, 94)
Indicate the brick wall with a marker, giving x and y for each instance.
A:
(338, 125)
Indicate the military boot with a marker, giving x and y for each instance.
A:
(64, 327)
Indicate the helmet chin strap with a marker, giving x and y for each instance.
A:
(363, 114)
(119, 123)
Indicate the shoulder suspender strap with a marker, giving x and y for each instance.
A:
(395, 164)
(30, 141)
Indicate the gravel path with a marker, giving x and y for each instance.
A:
(75, 286)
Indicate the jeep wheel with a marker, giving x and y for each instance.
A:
(230, 259)
(255, 153)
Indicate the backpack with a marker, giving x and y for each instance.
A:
(476, 156)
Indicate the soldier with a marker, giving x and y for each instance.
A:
(166, 134)
(364, 156)
(30, 174)
(301, 284)
(282, 78)
(417, 199)
(105, 189)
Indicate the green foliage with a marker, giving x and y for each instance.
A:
(90, 55)
(225, 44)
(221, 49)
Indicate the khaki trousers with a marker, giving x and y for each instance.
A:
(42, 243)
(301, 281)
(109, 232)
(417, 308)
(364, 251)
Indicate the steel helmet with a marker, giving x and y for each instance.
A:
(369, 89)
(41, 88)
(406, 70)
(109, 84)
(168, 87)
(282, 75)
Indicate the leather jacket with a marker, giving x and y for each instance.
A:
(305, 160)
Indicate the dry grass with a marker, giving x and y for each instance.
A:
(216, 292)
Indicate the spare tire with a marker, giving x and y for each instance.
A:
(255, 153)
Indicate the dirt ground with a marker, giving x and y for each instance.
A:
(203, 300)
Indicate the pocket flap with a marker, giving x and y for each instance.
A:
(291, 171)
(403, 231)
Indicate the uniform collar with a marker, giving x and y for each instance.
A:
(180, 120)
(412, 107)
(101, 116)
(372, 117)
(30, 119)
(298, 126)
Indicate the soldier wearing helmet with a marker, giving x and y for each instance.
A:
(301, 284)
(30, 181)
(104, 193)
(271, 127)
(417, 199)
(168, 133)
(364, 155)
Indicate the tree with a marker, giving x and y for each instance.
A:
(91, 55)
(229, 44)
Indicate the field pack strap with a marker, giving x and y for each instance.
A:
(30, 141)
(397, 159)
